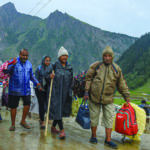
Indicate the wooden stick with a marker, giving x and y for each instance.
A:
(48, 109)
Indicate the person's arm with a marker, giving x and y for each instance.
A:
(89, 77)
(33, 79)
(11, 65)
(37, 73)
(71, 76)
(9, 69)
(122, 86)
(48, 74)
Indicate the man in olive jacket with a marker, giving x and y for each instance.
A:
(101, 80)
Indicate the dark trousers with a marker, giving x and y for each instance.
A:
(42, 100)
(60, 124)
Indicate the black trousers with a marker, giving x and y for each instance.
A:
(42, 100)
(60, 124)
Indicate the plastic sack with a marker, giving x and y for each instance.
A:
(75, 107)
(5, 98)
(141, 121)
(83, 116)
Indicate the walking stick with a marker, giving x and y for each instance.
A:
(48, 109)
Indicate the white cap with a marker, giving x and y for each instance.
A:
(62, 51)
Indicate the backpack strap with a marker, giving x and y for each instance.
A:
(114, 68)
(39, 68)
(99, 65)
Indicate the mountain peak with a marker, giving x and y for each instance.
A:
(56, 14)
(9, 7)
(57, 19)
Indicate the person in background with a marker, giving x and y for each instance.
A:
(42, 95)
(34, 107)
(146, 109)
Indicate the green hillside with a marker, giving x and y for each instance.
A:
(45, 36)
(135, 62)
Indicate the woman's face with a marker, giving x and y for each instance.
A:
(47, 61)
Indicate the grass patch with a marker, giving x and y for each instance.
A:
(141, 92)
(121, 101)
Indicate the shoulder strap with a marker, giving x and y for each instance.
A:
(98, 66)
(115, 68)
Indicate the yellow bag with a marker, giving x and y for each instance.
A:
(141, 121)
(75, 107)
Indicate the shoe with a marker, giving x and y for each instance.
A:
(25, 125)
(0, 117)
(111, 144)
(29, 114)
(54, 130)
(12, 128)
(62, 135)
(93, 140)
(42, 127)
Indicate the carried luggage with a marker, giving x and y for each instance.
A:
(83, 115)
(78, 85)
(4, 67)
(5, 97)
(126, 122)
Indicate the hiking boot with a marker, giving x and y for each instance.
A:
(93, 140)
(111, 144)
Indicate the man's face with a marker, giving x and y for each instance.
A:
(107, 58)
(63, 58)
(23, 56)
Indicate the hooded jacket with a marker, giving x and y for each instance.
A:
(40, 73)
(102, 79)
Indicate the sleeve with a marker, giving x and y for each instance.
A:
(9, 69)
(122, 86)
(71, 76)
(37, 73)
(47, 74)
(32, 77)
(90, 75)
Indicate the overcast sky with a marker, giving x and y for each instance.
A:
(130, 17)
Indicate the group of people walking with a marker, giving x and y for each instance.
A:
(101, 81)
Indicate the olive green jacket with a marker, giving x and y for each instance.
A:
(101, 81)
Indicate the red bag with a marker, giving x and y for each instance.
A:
(126, 121)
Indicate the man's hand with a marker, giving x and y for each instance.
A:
(52, 75)
(14, 60)
(86, 95)
(127, 101)
(39, 87)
